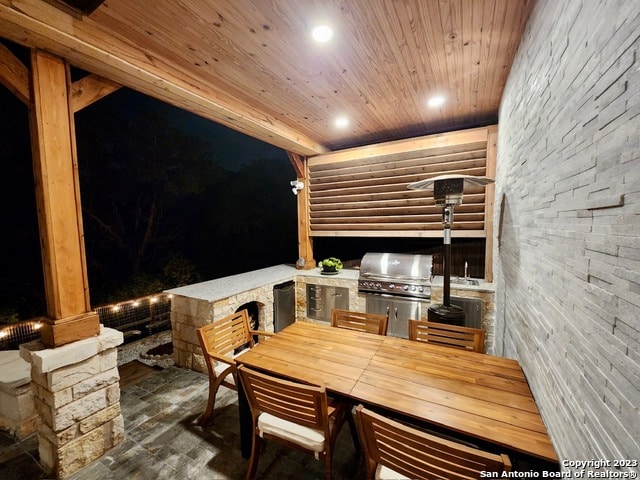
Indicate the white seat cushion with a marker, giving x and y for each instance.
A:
(304, 436)
(385, 473)
(221, 367)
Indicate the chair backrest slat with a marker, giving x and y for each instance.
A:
(301, 404)
(449, 335)
(225, 335)
(360, 321)
(420, 455)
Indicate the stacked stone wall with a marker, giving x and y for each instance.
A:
(189, 314)
(567, 246)
(18, 414)
(77, 396)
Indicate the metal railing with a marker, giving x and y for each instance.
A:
(14, 334)
(136, 319)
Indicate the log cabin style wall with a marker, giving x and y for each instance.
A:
(362, 192)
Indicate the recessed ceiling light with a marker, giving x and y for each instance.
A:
(342, 122)
(322, 33)
(436, 101)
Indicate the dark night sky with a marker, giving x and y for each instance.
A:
(229, 147)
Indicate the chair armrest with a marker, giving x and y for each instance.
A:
(262, 333)
(221, 358)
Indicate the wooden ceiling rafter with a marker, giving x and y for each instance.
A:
(76, 8)
(90, 89)
(14, 75)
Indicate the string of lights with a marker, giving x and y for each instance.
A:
(135, 318)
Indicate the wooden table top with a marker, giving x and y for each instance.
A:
(315, 354)
(479, 395)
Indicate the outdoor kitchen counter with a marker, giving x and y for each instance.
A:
(482, 286)
(213, 290)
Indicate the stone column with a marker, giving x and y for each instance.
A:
(77, 395)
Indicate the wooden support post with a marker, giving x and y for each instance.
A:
(59, 209)
(305, 244)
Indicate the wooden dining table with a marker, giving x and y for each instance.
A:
(476, 396)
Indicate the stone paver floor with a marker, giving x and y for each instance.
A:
(163, 442)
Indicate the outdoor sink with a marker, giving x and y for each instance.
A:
(465, 281)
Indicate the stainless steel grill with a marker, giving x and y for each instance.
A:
(396, 285)
(396, 274)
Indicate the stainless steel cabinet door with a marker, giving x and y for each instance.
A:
(321, 299)
(379, 304)
(336, 297)
(399, 311)
(403, 310)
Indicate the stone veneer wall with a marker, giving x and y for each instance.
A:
(188, 314)
(567, 252)
(18, 414)
(77, 395)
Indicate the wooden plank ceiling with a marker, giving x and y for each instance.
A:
(253, 66)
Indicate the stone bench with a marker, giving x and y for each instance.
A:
(17, 411)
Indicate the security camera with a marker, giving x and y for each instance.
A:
(296, 185)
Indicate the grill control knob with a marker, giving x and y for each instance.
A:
(413, 288)
(378, 286)
(406, 287)
(420, 289)
(391, 286)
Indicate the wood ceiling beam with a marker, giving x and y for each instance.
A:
(14, 75)
(416, 144)
(84, 43)
(90, 89)
(297, 162)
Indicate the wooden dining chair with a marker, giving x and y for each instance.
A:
(222, 341)
(363, 322)
(449, 335)
(294, 414)
(393, 450)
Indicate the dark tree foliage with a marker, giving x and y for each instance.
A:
(160, 211)
(164, 204)
(140, 178)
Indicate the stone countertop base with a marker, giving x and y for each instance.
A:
(217, 289)
(213, 290)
